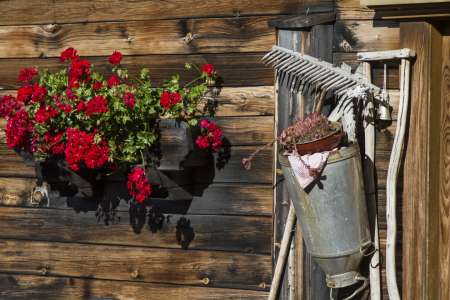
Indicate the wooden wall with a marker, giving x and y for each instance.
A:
(217, 246)
(359, 29)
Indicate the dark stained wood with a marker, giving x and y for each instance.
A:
(381, 197)
(218, 35)
(140, 226)
(301, 21)
(422, 163)
(16, 169)
(49, 12)
(39, 287)
(235, 69)
(148, 265)
(227, 166)
(382, 158)
(365, 35)
(352, 10)
(416, 10)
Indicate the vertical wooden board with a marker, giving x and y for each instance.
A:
(40, 287)
(365, 35)
(444, 184)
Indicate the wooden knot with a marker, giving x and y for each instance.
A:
(205, 280)
(135, 273)
(37, 197)
(263, 285)
(43, 271)
(189, 37)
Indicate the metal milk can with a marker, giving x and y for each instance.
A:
(332, 214)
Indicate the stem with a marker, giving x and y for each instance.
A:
(193, 80)
(143, 161)
(134, 78)
(197, 69)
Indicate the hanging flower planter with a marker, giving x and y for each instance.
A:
(74, 122)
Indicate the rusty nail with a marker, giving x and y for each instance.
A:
(205, 280)
(43, 271)
(135, 273)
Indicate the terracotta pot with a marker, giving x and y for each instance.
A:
(324, 144)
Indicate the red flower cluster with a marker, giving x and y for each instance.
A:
(129, 100)
(98, 85)
(27, 74)
(96, 105)
(69, 54)
(8, 105)
(80, 72)
(113, 81)
(212, 136)
(31, 93)
(169, 99)
(115, 58)
(82, 146)
(137, 180)
(16, 129)
(52, 142)
(208, 69)
(44, 112)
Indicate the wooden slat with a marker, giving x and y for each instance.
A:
(302, 21)
(38, 287)
(219, 35)
(141, 226)
(51, 12)
(365, 35)
(235, 69)
(222, 269)
(352, 10)
(227, 166)
(16, 169)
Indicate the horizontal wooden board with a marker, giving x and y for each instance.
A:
(16, 169)
(227, 166)
(222, 269)
(215, 199)
(250, 34)
(225, 102)
(392, 69)
(39, 287)
(234, 69)
(140, 226)
(57, 12)
(352, 10)
(365, 35)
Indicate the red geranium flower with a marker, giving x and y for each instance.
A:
(115, 58)
(96, 105)
(208, 69)
(169, 99)
(113, 81)
(27, 74)
(69, 54)
(129, 100)
(98, 85)
(136, 179)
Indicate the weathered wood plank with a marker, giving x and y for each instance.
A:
(227, 166)
(302, 21)
(215, 199)
(140, 226)
(444, 184)
(38, 287)
(217, 35)
(235, 69)
(365, 35)
(51, 12)
(16, 169)
(216, 268)
(352, 10)
(392, 76)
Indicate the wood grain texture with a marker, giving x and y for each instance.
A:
(38, 287)
(421, 187)
(365, 35)
(444, 184)
(140, 226)
(352, 10)
(235, 69)
(227, 166)
(217, 35)
(302, 21)
(223, 269)
(50, 12)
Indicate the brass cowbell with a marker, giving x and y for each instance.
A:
(383, 110)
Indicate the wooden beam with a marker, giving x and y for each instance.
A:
(302, 21)
(386, 55)
(422, 162)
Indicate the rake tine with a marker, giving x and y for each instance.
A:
(281, 61)
(303, 71)
(343, 89)
(294, 65)
(331, 87)
(291, 81)
(323, 76)
(340, 85)
(329, 80)
(320, 75)
(311, 73)
(287, 64)
(298, 81)
(269, 54)
(299, 67)
(274, 58)
(315, 73)
(303, 68)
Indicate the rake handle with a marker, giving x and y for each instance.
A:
(321, 101)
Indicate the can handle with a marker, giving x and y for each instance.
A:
(356, 292)
(369, 254)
